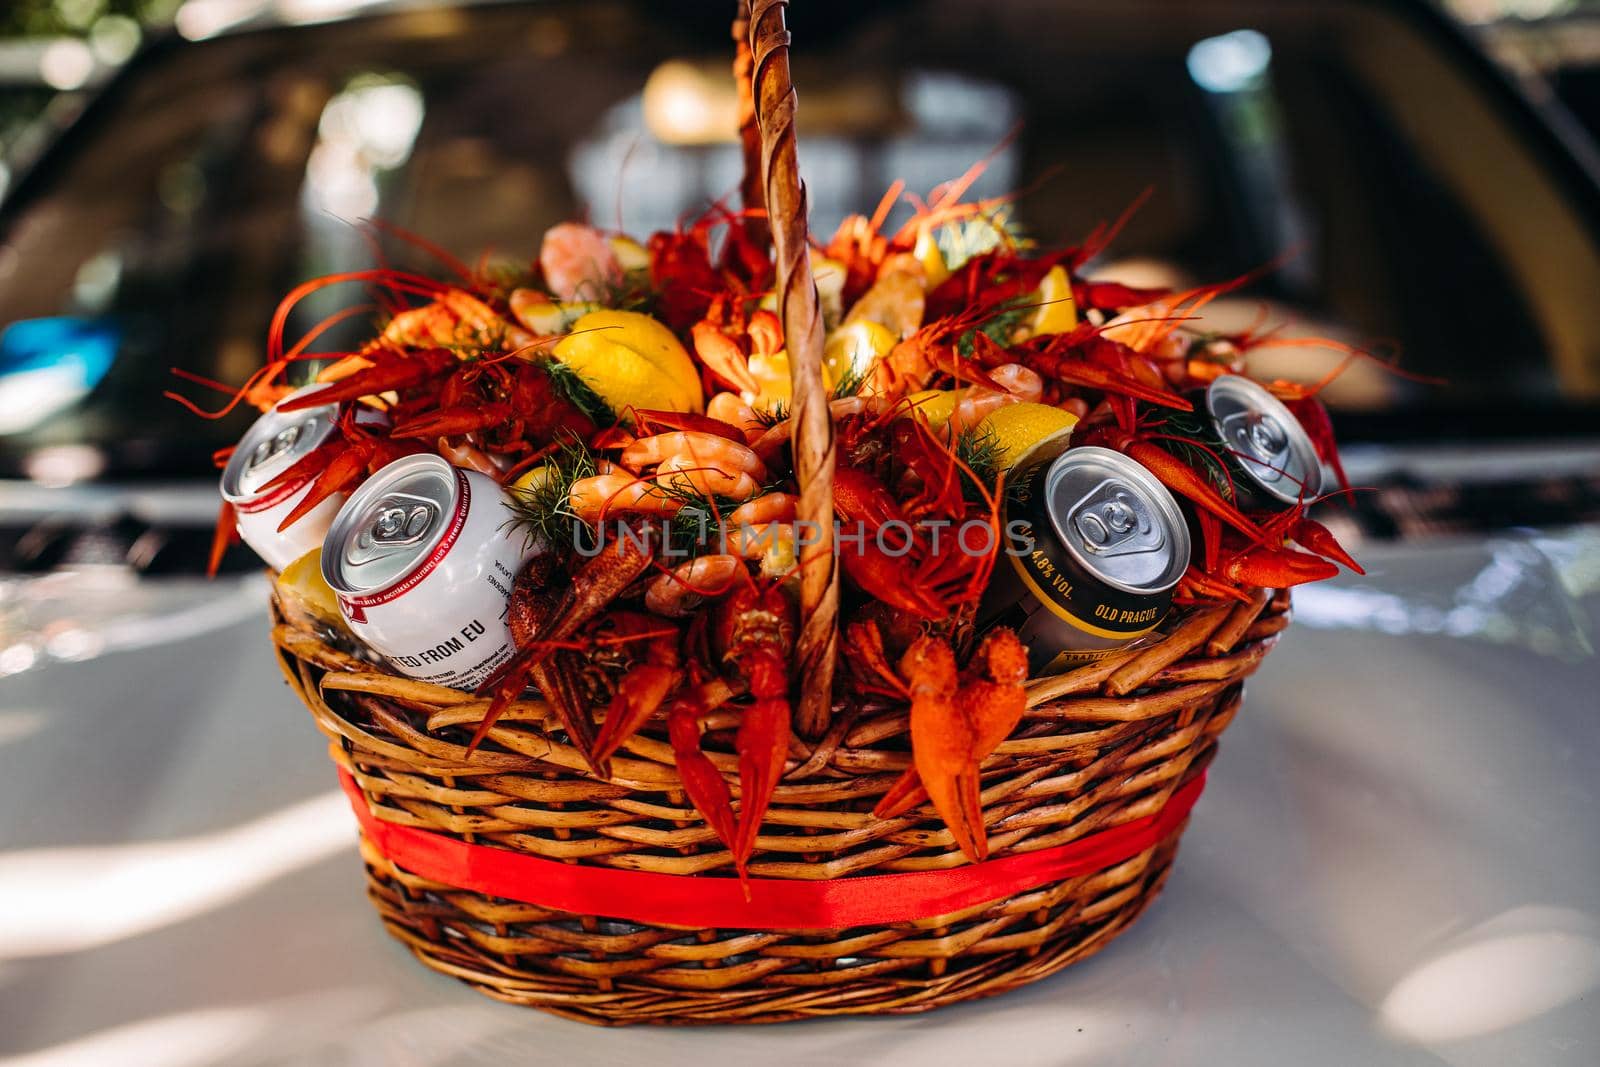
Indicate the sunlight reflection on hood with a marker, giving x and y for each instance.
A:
(55, 900)
(230, 1034)
(1515, 967)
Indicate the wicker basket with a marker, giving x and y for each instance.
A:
(1082, 762)
(1105, 746)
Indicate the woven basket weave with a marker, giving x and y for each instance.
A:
(1100, 747)
(1081, 762)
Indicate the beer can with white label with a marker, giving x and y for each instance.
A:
(276, 442)
(1094, 547)
(1269, 454)
(422, 563)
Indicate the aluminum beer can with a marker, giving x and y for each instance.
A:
(1094, 548)
(422, 565)
(276, 442)
(1269, 454)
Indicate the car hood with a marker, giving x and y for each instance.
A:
(1393, 863)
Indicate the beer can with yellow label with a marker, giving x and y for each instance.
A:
(1094, 548)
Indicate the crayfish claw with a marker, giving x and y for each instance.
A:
(637, 699)
(557, 681)
(763, 744)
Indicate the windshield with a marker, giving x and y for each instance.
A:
(1406, 207)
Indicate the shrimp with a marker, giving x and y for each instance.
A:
(578, 263)
(704, 462)
(685, 473)
(764, 529)
(685, 460)
(462, 454)
(701, 447)
(771, 442)
(593, 498)
(678, 592)
(735, 412)
(1021, 385)
(769, 507)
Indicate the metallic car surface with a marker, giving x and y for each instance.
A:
(1395, 862)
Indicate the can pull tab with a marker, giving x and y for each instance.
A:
(396, 523)
(1261, 438)
(279, 444)
(1112, 521)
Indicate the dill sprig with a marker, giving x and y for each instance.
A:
(1001, 325)
(851, 382)
(503, 276)
(770, 417)
(571, 386)
(543, 512)
(978, 447)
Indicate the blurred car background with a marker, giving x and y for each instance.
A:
(171, 170)
(1426, 180)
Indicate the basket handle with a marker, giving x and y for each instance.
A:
(773, 94)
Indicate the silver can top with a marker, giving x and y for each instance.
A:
(1116, 520)
(390, 525)
(1268, 441)
(277, 441)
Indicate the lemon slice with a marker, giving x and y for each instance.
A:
(301, 588)
(1018, 427)
(632, 361)
(1057, 313)
(852, 350)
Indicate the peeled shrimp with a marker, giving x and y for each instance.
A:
(735, 412)
(769, 507)
(705, 448)
(461, 454)
(683, 472)
(618, 491)
(681, 590)
(578, 262)
(1021, 385)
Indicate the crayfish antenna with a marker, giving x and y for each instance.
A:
(226, 534)
(905, 794)
(503, 686)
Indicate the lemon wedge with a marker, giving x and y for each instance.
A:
(853, 350)
(533, 479)
(630, 254)
(544, 317)
(301, 588)
(935, 405)
(771, 372)
(932, 260)
(1057, 313)
(1018, 427)
(631, 361)
(829, 274)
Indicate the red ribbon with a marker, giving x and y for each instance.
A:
(716, 902)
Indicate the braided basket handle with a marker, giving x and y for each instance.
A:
(772, 92)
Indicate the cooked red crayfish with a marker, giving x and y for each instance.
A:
(754, 631)
(956, 722)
